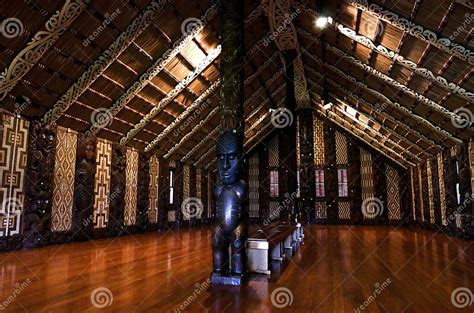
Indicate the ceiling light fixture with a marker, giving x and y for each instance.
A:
(323, 21)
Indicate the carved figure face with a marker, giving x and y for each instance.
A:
(229, 155)
(89, 152)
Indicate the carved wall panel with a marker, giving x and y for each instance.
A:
(154, 177)
(131, 177)
(421, 192)
(117, 190)
(393, 193)
(273, 160)
(429, 177)
(102, 183)
(13, 162)
(413, 193)
(198, 189)
(186, 188)
(143, 191)
(39, 185)
(64, 173)
(82, 215)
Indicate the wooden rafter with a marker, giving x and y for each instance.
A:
(39, 44)
(157, 66)
(407, 25)
(119, 45)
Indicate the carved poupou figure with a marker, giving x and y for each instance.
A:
(231, 208)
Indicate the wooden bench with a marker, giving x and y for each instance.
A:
(268, 244)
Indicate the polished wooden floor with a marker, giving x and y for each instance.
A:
(337, 269)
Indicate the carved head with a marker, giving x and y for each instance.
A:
(229, 156)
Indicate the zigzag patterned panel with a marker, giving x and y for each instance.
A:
(344, 210)
(321, 210)
(253, 186)
(199, 189)
(471, 157)
(442, 191)
(412, 188)
(186, 187)
(153, 195)
(273, 160)
(430, 191)
(393, 193)
(318, 131)
(131, 177)
(102, 183)
(64, 173)
(367, 175)
(341, 149)
(420, 193)
(13, 157)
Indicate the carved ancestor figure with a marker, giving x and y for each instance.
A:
(84, 191)
(231, 208)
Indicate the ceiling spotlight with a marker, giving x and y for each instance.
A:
(323, 21)
(328, 105)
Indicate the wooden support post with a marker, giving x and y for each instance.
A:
(307, 179)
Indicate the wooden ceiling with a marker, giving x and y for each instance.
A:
(137, 72)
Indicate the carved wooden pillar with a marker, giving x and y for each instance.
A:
(39, 185)
(307, 179)
(143, 189)
(436, 192)
(263, 190)
(163, 193)
(465, 178)
(424, 194)
(82, 217)
(405, 196)
(355, 187)
(117, 191)
(178, 194)
(450, 187)
(331, 172)
(232, 60)
(287, 137)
